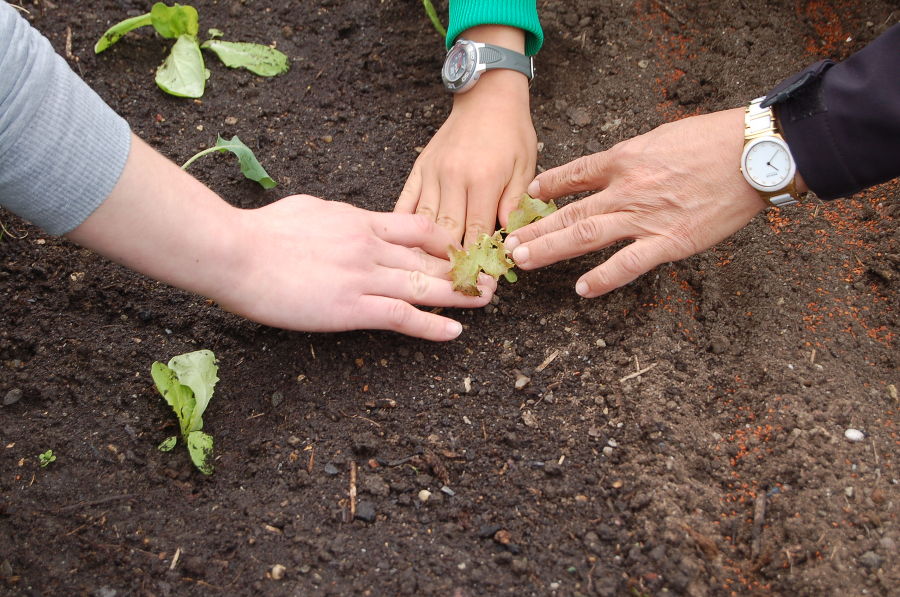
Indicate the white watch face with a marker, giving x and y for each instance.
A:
(767, 164)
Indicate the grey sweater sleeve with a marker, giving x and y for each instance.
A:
(62, 149)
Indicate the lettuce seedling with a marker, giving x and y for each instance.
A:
(46, 458)
(488, 255)
(250, 166)
(187, 384)
(183, 73)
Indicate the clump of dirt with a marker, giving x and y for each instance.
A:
(684, 434)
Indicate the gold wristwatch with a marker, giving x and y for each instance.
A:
(767, 163)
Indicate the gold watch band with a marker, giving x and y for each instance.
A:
(761, 122)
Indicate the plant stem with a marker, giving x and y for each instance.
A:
(194, 157)
(432, 14)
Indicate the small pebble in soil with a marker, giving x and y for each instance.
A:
(365, 511)
(12, 397)
(854, 435)
(522, 381)
(330, 469)
(424, 495)
(278, 572)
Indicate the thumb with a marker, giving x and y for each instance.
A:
(587, 173)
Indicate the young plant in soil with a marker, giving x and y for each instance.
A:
(250, 166)
(46, 458)
(187, 384)
(183, 73)
(488, 255)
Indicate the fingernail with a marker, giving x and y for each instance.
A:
(521, 255)
(534, 189)
(582, 288)
(511, 242)
(454, 328)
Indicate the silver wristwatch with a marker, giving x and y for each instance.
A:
(467, 59)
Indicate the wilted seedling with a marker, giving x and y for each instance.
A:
(183, 72)
(250, 166)
(488, 255)
(187, 384)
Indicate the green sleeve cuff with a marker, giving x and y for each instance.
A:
(514, 13)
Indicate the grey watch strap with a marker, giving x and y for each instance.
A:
(498, 57)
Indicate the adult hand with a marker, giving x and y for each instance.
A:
(483, 157)
(321, 265)
(675, 191)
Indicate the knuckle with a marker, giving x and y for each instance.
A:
(474, 230)
(571, 214)
(418, 285)
(631, 263)
(426, 211)
(585, 231)
(448, 222)
(580, 173)
(400, 314)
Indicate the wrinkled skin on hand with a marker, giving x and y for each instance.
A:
(674, 191)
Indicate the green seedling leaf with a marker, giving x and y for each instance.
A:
(187, 384)
(214, 33)
(529, 210)
(200, 447)
(250, 166)
(175, 21)
(115, 33)
(198, 371)
(488, 255)
(168, 444)
(258, 59)
(46, 458)
(183, 73)
(435, 20)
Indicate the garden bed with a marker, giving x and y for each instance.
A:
(682, 434)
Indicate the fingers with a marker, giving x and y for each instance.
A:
(587, 173)
(569, 232)
(451, 214)
(513, 192)
(413, 230)
(481, 213)
(383, 313)
(624, 266)
(419, 288)
(409, 196)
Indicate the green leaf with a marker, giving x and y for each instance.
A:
(258, 59)
(529, 210)
(183, 73)
(115, 33)
(46, 458)
(214, 33)
(178, 396)
(197, 370)
(168, 444)
(433, 16)
(250, 166)
(487, 255)
(200, 447)
(175, 21)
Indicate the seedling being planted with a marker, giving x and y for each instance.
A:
(183, 72)
(250, 166)
(488, 255)
(187, 384)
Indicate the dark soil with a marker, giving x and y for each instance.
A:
(722, 469)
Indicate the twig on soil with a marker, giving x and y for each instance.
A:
(312, 459)
(547, 361)
(352, 510)
(637, 373)
(97, 502)
(175, 559)
(759, 518)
